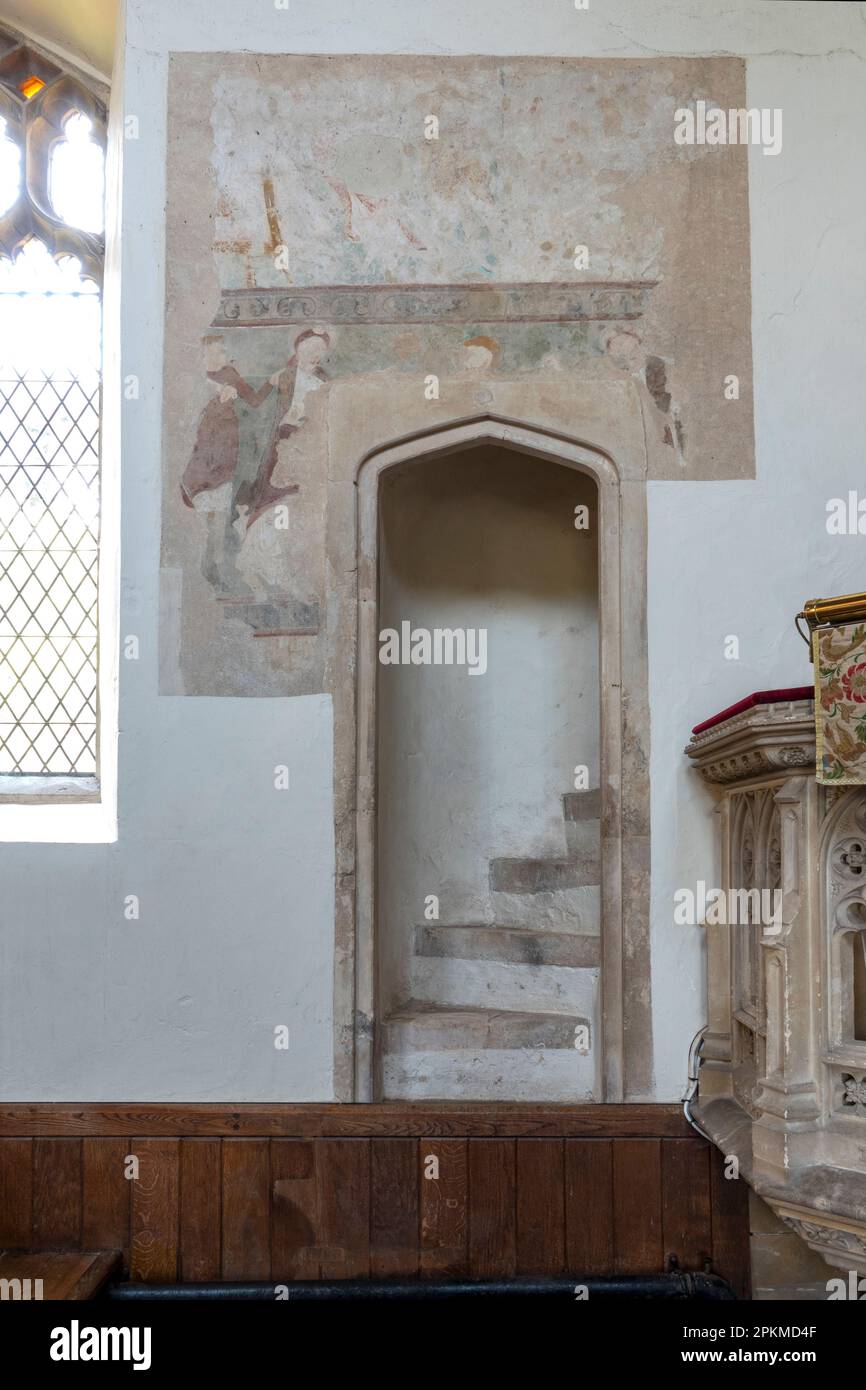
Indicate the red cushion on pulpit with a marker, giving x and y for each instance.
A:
(760, 697)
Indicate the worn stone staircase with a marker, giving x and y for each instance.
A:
(498, 1007)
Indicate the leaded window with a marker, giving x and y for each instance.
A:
(52, 144)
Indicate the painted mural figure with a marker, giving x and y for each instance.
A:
(301, 375)
(234, 474)
(208, 480)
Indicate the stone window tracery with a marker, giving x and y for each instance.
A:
(52, 142)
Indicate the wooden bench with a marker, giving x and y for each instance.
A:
(56, 1274)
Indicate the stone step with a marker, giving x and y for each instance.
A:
(583, 840)
(420, 1027)
(581, 812)
(544, 875)
(578, 806)
(515, 945)
(451, 982)
(531, 1074)
(574, 910)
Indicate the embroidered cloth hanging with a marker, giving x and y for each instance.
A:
(839, 655)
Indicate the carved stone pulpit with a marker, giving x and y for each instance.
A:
(783, 1077)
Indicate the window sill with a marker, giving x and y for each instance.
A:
(48, 791)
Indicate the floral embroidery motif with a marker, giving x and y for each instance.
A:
(840, 703)
(854, 682)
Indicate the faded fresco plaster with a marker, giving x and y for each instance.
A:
(314, 235)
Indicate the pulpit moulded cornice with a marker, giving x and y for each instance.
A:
(769, 732)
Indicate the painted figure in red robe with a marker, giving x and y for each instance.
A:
(208, 481)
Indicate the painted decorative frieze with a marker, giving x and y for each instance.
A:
(467, 304)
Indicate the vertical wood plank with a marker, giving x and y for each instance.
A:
(730, 1223)
(107, 1196)
(56, 1194)
(343, 1178)
(295, 1240)
(16, 1194)
(155, 1193)
(492, 1202)
(686, 1220)
(589, 1206)
(246, 1202)
(200, 1209)
(394, 1180)
(444, 1203)
(637, 1206)
(540, 1206)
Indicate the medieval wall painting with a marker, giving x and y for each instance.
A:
(315, 234)
(243, 467)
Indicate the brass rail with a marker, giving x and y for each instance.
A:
(829, 612)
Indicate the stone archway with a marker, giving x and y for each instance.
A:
(625, 1043)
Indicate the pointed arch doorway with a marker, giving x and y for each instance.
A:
(541, 449)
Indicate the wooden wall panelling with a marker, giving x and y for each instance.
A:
(492, 1214)
(510, 1196)
(391, 1120)
(295, 1246)
(343, 1179)
(444, 1207)
(395, 1178)
(200, 1220)
(687, 1233)
(246, 1209)
(637, 1206)
(589, 1206)
(155, 1192)
(106, 1196)
(56, 1194)
(16, 1194)
(540, 1206)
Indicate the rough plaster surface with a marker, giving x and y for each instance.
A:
(724, 557)
(371, 202)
